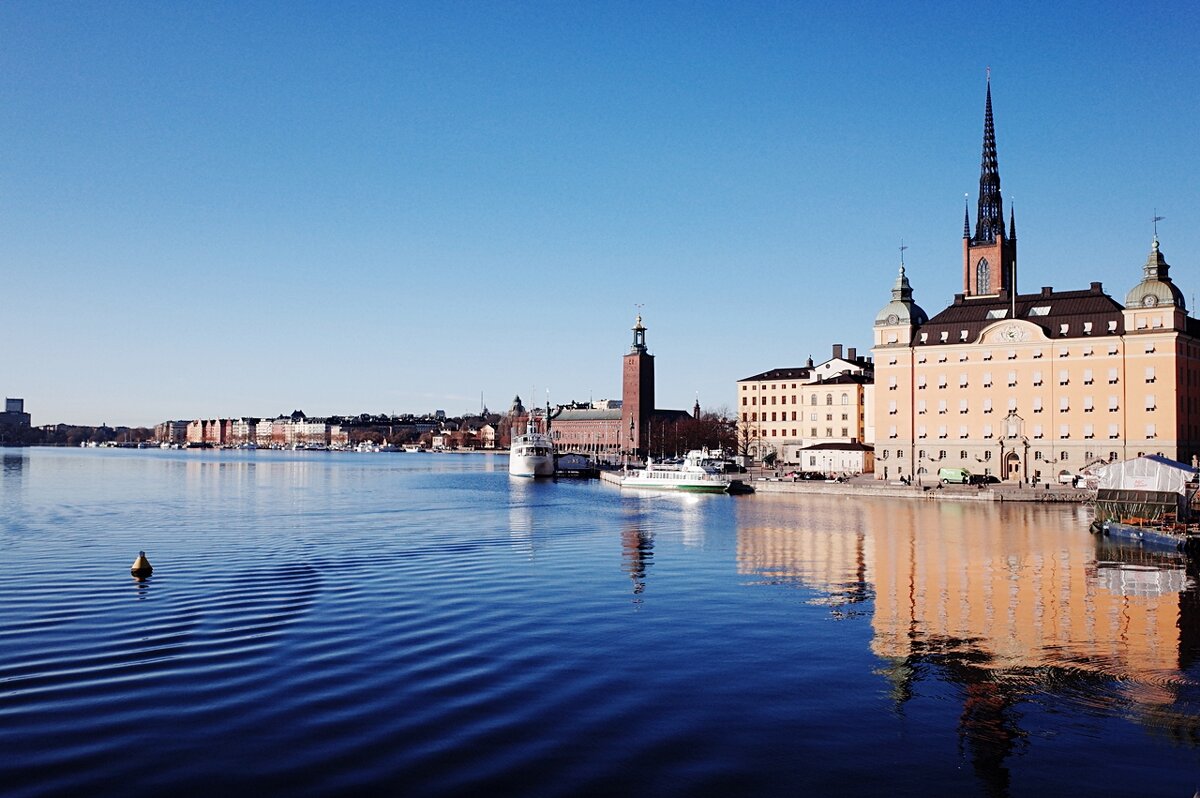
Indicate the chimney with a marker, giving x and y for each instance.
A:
(837, 350)
(851, 354)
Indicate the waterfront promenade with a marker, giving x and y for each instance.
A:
(764, 481)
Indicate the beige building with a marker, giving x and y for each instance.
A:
(1029, 386)
(786, 412)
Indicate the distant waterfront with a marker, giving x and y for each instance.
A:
(424, 624)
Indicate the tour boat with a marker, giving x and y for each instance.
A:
(695, 475)
(531, 454)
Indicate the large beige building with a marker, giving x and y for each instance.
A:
(787, 412)
(1026, 386)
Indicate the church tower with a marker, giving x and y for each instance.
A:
(637, 392)
(990, 255)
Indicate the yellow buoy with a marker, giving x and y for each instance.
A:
(141, 566)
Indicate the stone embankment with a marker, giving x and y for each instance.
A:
(866, 486)
(937, 492)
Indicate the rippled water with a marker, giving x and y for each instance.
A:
(423, 625)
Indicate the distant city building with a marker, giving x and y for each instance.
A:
(787, 412)
(14, 414)
(1028, 386)
(630, 425)
(171, 432)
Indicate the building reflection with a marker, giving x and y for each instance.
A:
(1004, 601)
(637, 555)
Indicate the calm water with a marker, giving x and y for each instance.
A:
(422, 625)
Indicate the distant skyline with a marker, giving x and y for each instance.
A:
(243, 209)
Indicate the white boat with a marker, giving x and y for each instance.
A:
(531, 454)
(696, 474)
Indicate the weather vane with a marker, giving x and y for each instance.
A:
(902, 248)
(1157, 219)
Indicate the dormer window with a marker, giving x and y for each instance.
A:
(1040, 310)
(1063, 328)
(999, 313)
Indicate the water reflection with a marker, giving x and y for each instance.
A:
(14, 464)
(1008, 603)
(637, 555)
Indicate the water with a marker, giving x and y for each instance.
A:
(423, 625)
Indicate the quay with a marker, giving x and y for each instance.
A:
(868, 486)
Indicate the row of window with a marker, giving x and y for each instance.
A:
(1038, 432)
(1064, 405)
(1064, 378)
(776, 433)
(783, 416)
(1086, 351)
(812, 400)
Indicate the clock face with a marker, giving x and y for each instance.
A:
(893, 318)
(1011, 333)
(1150, 301)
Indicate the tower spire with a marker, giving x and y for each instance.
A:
(989, 218)
(966, 216)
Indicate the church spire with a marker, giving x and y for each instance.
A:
(989, 221)
(966, 218)
(1012, 223)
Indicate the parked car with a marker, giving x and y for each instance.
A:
(984, 479)
(958, 476)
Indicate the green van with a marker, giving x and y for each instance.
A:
(960, 476)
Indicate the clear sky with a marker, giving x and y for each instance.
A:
(212, 209)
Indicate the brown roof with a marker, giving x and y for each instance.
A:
(1072, 308)
(779, 374)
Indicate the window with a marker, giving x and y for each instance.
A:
(962, 433)
(891, 432)
(1037, 378)
(924, 337)
(745, 416)
(1089, 431)
(1012, 354)
(1112, 326)
(921, 358)
(1149, 373)
(1149, 430)
(1012, 403)
(1037, 431)
(1150, 403)
(962, 405)
(845, 399)
(845, 432)
(1087, 404)
(1087, 351)
(987, 355)
(1037, 404)
(1063, 457)
(743, 400)
(828, 399)
(941, 380)
(892, 407)
(1112, 404)
(1112, 349)
(1040, 310)
(1012, 379)
(812, 400)
(1087, 328)
(988, 454)
(945, 336)
(962, 380)
(1064, 377)
(1149, 347)
(987, 430)
(1064, 404)
(962, 455)
(1037, 354)
(920, 406)
(921, 431)
(1064, 352)
(942, 407)
(1114, 432)
(1087, 377)
(891, 361)
(921, 381)
(1064, 431)
(1063, 329)
(962, 335)
(987, 405)
(983, 277)
(987, 379)
(1037, 455)
(1112, 376)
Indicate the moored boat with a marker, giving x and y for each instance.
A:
(532, 454)
(696, 474)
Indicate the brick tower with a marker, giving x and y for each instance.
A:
(637, 393)
(990, 256)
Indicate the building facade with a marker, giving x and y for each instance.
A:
(1029, 386)
(784, 412)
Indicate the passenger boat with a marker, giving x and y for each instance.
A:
(696, 474)
(532, 454)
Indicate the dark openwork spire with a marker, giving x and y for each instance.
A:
(989, 219)
(966, 218)
(1012, 223)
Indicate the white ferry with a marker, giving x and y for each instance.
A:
(697, 474)
(531, 454)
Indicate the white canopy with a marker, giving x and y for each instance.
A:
(1146, 473)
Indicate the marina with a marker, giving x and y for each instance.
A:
(318, 623)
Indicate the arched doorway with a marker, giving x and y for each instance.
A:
(1012, 466)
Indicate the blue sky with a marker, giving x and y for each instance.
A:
(214, 209)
